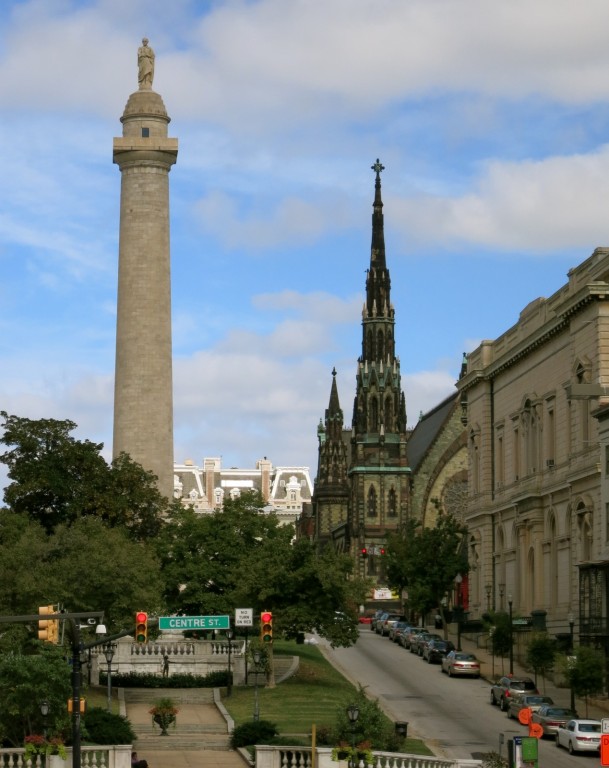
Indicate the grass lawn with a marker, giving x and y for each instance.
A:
(315, 694)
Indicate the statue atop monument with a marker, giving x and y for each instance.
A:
(145, 64)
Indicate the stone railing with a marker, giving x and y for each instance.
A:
(300, 757)
(90, 757)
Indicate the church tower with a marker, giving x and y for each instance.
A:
(379, 472)
(331, 497)
(143, 395)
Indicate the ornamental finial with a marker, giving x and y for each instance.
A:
(378, 167)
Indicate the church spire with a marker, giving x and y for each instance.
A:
(377, 253)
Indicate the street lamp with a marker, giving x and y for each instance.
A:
(488, 588)
(571, 620)
(511, 636)
(352, 714)
(109, 654)
(45, 708)
(458, 582)
(229, 682)
(256, 657)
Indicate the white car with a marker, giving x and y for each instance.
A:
(580, 736)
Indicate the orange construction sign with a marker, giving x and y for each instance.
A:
(525, 715)
(536, 730)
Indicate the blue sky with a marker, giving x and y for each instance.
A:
(491, 117)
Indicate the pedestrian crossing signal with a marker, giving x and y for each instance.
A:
(48, 629)
(266, 627)
(141, 627)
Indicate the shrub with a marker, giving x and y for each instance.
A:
(148, 680)
(254, 732)
(103, 727)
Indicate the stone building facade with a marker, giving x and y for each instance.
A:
(538, 532)
(285, 490)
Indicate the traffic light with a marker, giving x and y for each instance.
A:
(141, 627)
(48, 629)
(364, 552)
(382, 550)
(266, 627)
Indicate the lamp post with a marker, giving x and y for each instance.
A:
(256, 657)
(511, 636)
(109, 654)
(488, 589)
(571, 620)
(352, 714)
(458, 582)
(45, 708)
(229, 682)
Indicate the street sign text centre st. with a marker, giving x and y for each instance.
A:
(193, 622)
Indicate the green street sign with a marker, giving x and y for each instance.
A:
(181, 623)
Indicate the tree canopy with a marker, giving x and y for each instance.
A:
(425, 561)
(56, 479)
(241, 556)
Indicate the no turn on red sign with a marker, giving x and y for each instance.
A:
(244, 617)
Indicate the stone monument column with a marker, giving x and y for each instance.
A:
(143, 393)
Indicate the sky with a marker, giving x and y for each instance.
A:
(491, 118)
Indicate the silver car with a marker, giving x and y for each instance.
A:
(461, 663)
(551, 717)
(580, 736)
(530, 701)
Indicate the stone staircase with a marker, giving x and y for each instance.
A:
(199, 724)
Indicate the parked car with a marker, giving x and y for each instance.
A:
(422, 639)
(396, 630)
(375, 617)
(551, 717)
(409, 636)
(531, 701)
(387, 621)
(508, 686)
(579, 736)
(460, 663)
(435, 650)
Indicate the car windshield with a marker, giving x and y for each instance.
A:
(465, 657)
(535, 699)
(558, 712)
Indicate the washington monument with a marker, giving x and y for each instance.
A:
(143, 390)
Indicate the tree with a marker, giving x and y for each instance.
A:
(242, 556)
(427, 560)
(25, 681)
(57, 479)
(587, 674)
(85, 566)
(541, 653)
(502, 636)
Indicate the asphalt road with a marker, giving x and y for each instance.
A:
(453, 716)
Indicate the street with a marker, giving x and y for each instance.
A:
(453, 716)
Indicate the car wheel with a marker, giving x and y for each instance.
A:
(556, 741)
(429, 659)
(502, 705)
(493, 702)
(570, 748)
(450, 674)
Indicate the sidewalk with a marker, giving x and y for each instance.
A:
(493, 668)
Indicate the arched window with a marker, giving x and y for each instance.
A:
(372, 502)
(392, 503)
(374, 415)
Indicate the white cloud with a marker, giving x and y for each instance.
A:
(537, 206)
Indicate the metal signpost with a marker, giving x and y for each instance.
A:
(244, 617)
(193, 622)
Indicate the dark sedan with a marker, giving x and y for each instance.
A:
(435, 650)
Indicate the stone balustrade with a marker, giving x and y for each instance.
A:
(90, 757)
(300, 757)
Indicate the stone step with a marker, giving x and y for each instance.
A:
(152, 743)
(179, 695)
(187, 729)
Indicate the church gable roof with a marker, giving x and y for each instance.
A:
(428, 428)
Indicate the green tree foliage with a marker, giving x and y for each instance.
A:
(586, 675)
(541, 654)
(371, 725)
(241, 556)
(85, 566)
(426, 560)
(25, 681)
(57, 479)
